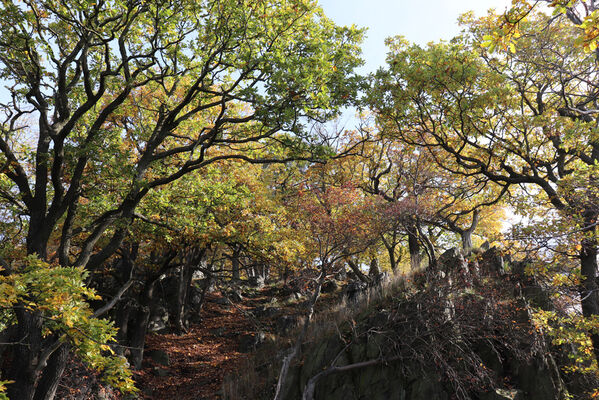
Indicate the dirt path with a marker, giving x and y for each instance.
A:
(200, 359)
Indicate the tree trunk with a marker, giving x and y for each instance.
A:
(183, 283)
(235, 263)
(414, 247)
(466, 236)
(24, 356)
(390, 246)
(122, 324)
(140, 327)
(46, 388)
(589, 290)
(356, 270)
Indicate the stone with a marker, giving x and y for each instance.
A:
(293, 297)
(197, 275)
(158, 356)
(159, 320)
(341, 275)
(503, 394)
(452, 259)
(492, 261)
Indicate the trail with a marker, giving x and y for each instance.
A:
(199, 359)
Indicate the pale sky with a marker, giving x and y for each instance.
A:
(420, 21)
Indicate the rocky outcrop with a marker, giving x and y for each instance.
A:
(450, 337)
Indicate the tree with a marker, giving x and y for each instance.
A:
(525, 119)
(336, 223)
(145, 92)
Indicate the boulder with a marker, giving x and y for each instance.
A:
(158, 320)
(158, 356)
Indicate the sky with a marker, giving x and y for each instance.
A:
(420, 21)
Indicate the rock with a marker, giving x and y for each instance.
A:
(427, 388)
(329, 287)
(197, 275)
(158, 356)
(452, 259)
(248, 343)
(162, 372)
(485, 246)
(341, 275)
(380, 279)
(159, 320)
(493, 261)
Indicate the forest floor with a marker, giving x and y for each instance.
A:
(219, 344)
(201, 358)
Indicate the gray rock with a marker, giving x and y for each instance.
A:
(236, 296)
(452, 259)
(503, 394)
(158, 356)
(159, 320)
(493, 261)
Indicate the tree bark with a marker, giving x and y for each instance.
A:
(390, 246)
(466, 237)
(356, 270)
(466, 234)
(589, 290)
(48, 384)
(414, 247)
(140, 327)
(235, 264)
(183, 283)
(24, 356)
